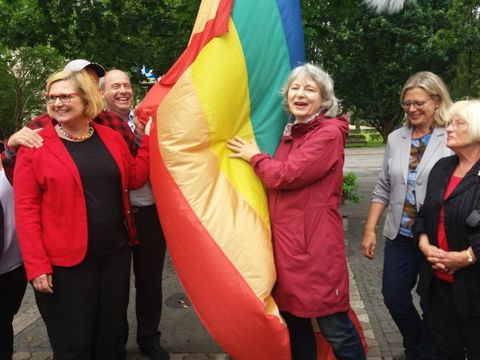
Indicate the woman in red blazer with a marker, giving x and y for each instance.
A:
(74, 222)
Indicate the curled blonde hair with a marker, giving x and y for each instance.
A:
(434, 86)
(85, 86)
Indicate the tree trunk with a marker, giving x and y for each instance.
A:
(18, 114)
(385, 127)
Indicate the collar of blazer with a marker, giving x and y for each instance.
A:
(53, 144)
(436, 141)
(472, 178)
(437, 132)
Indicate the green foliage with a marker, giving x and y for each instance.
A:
(374, 137)
(39, 37)
(461, 40)
(370, 56)
(350, 188)
(24, 72)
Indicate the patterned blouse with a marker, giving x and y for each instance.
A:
(409, 207)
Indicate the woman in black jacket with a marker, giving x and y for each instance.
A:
(449, 275)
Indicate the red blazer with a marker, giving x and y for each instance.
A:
(50, 208)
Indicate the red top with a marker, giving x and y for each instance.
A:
(442, 236)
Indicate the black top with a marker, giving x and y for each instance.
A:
(101, 183)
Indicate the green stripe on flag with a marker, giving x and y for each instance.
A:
(261, 34)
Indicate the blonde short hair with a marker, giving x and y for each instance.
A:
(85, 86)
(434, 86)
(469, 111)
(330, 104)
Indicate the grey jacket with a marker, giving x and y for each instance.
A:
(391, 187)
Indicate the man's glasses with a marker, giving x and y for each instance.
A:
(64, 98)
(416, 104)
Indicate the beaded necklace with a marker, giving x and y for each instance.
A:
(76, 138)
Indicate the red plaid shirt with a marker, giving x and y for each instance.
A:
(105, 118)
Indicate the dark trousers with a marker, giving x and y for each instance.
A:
(400, 274)
(337, 329)
(456, 337)
(86, 316)
(148, 259)
(12, 289)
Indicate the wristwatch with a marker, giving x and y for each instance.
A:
(469, 256)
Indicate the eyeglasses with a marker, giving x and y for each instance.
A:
(64, 98)
(416, 104)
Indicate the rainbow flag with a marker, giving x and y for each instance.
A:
(213, 208)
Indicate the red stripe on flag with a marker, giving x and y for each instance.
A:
(229, 309)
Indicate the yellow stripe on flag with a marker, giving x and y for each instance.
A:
(238, 230)
(227, 110)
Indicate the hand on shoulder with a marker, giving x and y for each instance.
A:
(26, 137)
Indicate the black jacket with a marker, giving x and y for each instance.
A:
(464, 198)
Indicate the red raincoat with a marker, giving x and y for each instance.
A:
(304, 180)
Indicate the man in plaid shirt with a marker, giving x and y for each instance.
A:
(149, 255)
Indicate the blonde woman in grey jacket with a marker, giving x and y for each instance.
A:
(410, 154)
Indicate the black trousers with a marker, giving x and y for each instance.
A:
(12, 289)
(456, 337)
(86, 316)
(148, 259)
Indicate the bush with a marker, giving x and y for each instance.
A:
(350, 188)
(376, 137)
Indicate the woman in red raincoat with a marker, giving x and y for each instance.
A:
(304, 181)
